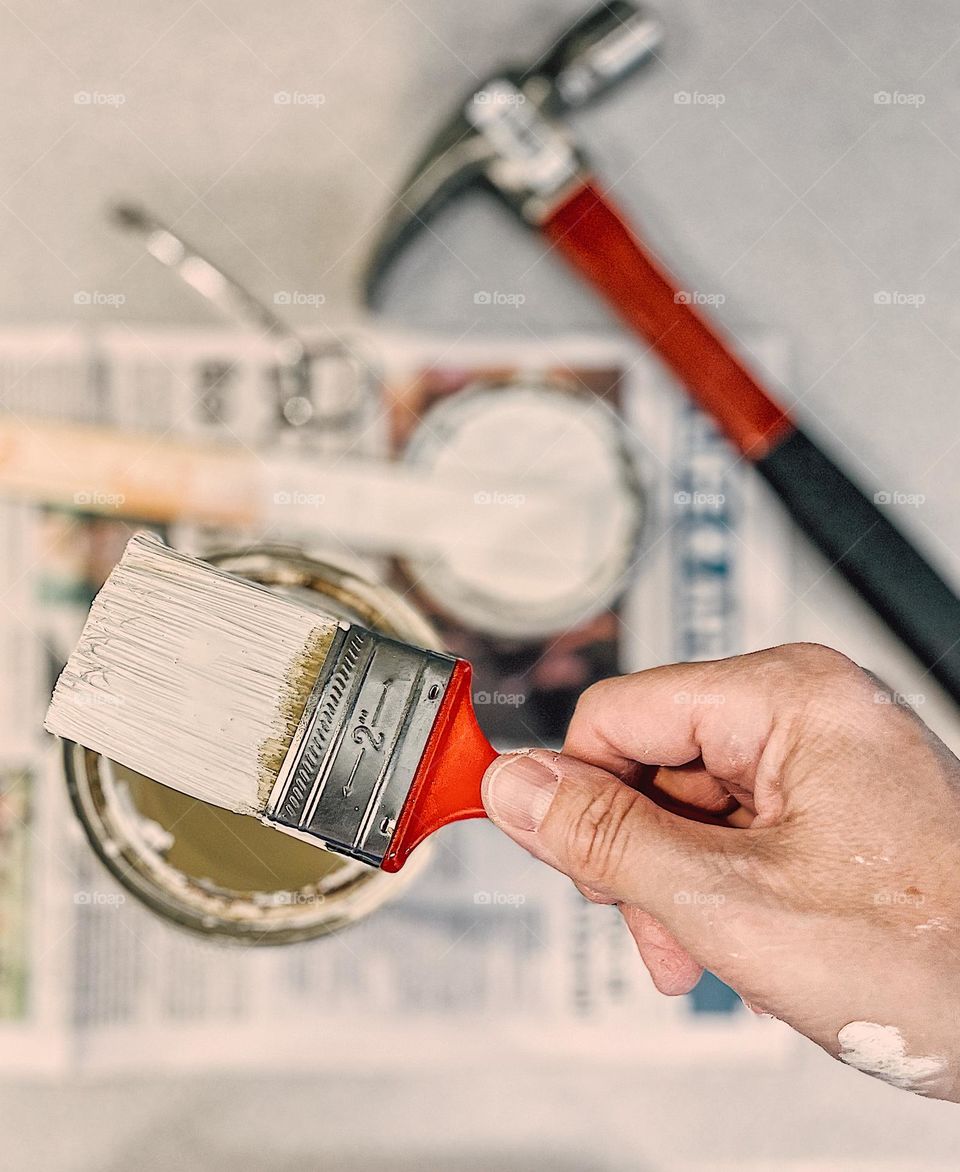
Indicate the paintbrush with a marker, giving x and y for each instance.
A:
(247, 699)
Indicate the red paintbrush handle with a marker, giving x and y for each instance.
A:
(593, 236)
(446, 787)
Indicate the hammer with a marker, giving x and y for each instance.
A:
(507, 135)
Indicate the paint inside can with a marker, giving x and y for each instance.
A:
(569, 565)
(223, 874)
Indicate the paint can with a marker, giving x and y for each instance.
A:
(226, 875)
(533, 431)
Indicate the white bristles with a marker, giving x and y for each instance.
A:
(191, 676)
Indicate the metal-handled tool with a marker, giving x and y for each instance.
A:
(507, 135)
(304, 370)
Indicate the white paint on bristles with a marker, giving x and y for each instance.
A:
(190, 676)
(881, 1051)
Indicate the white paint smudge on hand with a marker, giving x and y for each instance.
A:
(937, 924)
(880, 1050)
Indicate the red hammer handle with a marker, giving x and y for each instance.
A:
(592, 235)
(855, 536)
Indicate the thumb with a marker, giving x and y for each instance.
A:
(606, 836)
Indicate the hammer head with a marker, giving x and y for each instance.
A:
(506, 133)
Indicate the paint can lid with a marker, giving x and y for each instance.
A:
(554, 484)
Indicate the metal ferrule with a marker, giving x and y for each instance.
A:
(359, 742)
(534, 164)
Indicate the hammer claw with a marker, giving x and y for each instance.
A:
(602, 48)
(456, 159)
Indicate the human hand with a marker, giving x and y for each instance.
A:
(781, 820)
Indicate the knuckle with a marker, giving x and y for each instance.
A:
(600, 838)
(813, 667)
(818, 657)
(586, 728)
(592, 700)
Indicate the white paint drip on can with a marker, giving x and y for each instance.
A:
(881, 1051)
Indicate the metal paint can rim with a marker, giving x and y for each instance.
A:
(334, 901)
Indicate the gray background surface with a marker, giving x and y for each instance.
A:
(799, 197)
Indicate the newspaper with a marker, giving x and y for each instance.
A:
(487, 953)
